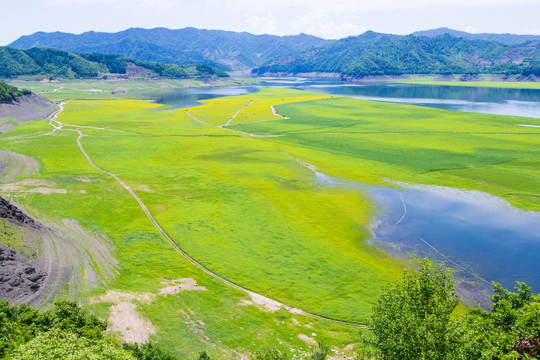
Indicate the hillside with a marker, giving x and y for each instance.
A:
(225, 49)
(9, 93)
(507, 39)
(59, 63)
(383, 54)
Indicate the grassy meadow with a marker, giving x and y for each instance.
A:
(235, 199)
(490, 153)
(484, 81)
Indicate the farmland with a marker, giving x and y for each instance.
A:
(227, 182)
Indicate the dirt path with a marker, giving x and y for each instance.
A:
(276, 113)
(236, 113)
(239, 131)
(196, 119)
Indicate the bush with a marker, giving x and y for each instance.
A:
(60, 344)
(149, 351)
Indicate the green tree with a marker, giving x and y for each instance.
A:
(60, 344)
(412, 318)
(511, 330)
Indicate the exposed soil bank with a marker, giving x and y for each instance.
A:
(10, 212)
(27, 108)
(19, 277)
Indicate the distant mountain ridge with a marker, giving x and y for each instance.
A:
(384, 54)
(507, 39)
(437, 51)
(59, 63)
(224, 49)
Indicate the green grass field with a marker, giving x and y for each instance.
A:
(243, 207)
(490, 153)
(485, 81)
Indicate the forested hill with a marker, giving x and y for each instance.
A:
(59, 63)
(382, 54)
(508, 39)
(10, 93)
(225, 49)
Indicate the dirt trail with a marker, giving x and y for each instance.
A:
(196, 119)
(236, 113)
(276, 113)
(240, 131)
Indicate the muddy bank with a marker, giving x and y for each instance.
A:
(27, 108)
(49, 256)
(10, 212)
(19, 277)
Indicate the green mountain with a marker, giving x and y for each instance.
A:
(507, 39)
(224, 49)
(9, 93)
(383, 54)
(53, 62)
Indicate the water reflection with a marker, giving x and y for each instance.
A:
(481, 236)
(516, 102)
(182, 98)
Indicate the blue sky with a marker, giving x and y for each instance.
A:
(329, 19)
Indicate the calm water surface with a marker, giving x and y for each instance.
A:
(481, 236)
(517, 102)
(182, 98)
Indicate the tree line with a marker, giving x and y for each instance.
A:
(59, 63)
(383, 54)
(10, 93)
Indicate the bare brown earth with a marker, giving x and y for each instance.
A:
(59, 253)
(124, 318)
(27, 108)
(13, 166)
(19, 276)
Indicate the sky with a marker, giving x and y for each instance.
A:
(330, 19)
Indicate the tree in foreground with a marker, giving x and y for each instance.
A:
(412, 318)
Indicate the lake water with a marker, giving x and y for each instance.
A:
(480, 236)
(517, 102)
(182, 98)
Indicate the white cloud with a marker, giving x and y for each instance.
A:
(319, 24)
(158, 4)
(266, 24)
(532, 31)
(344, 7)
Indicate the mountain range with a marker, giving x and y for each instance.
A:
(59, 63)
(507, 39)
(437, 51)
(224, 49)
(384, 54)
